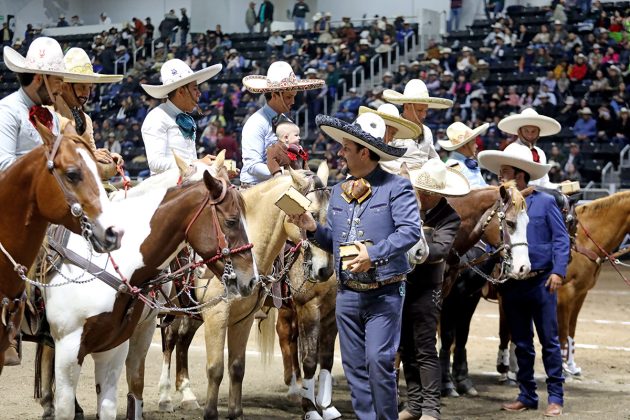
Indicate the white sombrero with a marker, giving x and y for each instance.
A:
(459, 134)
(175, 73)
(548, 126)
(389, 113)
(416, 92)
(515, 155)
(435, 177)
(280, 77)
(79, 67)
(367, 130)
(44, 56)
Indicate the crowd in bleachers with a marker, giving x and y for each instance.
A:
(568, 63)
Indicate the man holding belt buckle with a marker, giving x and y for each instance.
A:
(372, 205)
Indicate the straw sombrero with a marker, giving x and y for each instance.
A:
(515, 155)
(416, 92)
(389, 113)
(78, 63)
(548, 126)
(44, 56)
(280, 77)
(459, 134)
(435, 177)
(175, 73)
(367, 130)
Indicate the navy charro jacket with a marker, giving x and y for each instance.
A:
(547, 236)
(389, 218)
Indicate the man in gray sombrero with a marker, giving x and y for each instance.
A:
(415, 101)
(375, 214)
(169, 127)
(280, 86)
(533, 301)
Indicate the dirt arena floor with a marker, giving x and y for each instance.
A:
(603, 392)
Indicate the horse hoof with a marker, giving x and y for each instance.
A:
(79, 416)
(312, 415)
(165, 406)
(331, 413)
(449, 393)
(190, 405)
(294, 397)
(470, 392)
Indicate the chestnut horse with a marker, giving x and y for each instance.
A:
(57, 182)
(98, 318)
(269, 230)
(602, 226)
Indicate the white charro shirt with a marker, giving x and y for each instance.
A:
(257, 135)
(418, 152)
(474, 177)
(161, 136)
(544, 181)
(18, 135)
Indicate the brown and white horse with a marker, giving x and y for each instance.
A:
(269, 229)
(57, 182)
(99, 317)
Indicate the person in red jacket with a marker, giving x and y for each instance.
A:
(578, 70)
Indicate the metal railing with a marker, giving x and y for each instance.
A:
(406, 50)
(623, 160)
(120, 60)
(372, 72)
(297, 119)
(354, 76)
(608, 176)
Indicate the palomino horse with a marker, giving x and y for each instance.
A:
(57, 182)
(98, 318)
(269, 229)
(602, 226)
(499, 218)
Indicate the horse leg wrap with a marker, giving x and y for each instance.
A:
(308, 390)
(570, 366)
(324, 390)
(134, 408)
(503, 360)
(513, 361)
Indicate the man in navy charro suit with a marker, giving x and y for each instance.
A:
(534, 300)
(379, 209)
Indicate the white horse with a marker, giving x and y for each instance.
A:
(94, 318)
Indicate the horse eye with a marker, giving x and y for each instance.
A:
(231, 223)
(74, 175)
(511, 224)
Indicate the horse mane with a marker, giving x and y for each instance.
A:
(81, 141)
(604, 203)
(519, 201)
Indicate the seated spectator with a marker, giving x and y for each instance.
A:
(543, 59)
(622, 127)
(113, 144)
(577, 71)
(559, 35)
(611, 56)
(467, 60)
(549, 80)
(572, 41)
(490, 39)
(481, 71)
(543, 37)
(559, 14)
(522, 37)
(235, 62)
(275, 42)
(585, 128)
(567, 113)
(499, 51)
(62, 22)
(433, 83)
(227, 141)
(402, 76)
(545, 107)
(448, 61)
(574, 159)
(615, 78)
(527, 60)
(600, 83)
(349, 107)
(290, 48)
(605, 124)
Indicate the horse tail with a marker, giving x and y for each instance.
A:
(267, 336)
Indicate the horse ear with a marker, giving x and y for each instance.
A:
(220, 159)
(181, 164)
(504, 193)
(527, 191)
(404, 171)
(323, 172)
(214, 186)
(46, 135)
(299, 180)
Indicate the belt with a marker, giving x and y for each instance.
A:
(357, 286)
(536, 273)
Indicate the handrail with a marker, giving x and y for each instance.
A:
(120, 60)
(297, 118)
(372, 72)
(608, 168)
(153, 42)
(344, 90)
(622, 159)
(406, 43)
(135, 53)
(354, 75)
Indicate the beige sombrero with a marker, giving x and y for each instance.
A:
(459, 134)
(280, 77)
(416, 92)
(44, 56)
(435, 177)
(389, 113)
(175, 73)
(78, 64)
(548, 126)
(515, 155)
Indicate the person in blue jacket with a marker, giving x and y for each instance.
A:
(375, 213)
(534, 300)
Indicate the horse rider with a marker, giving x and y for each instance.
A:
(462, 300)
(534, 300)
(396, 127)
(280, 86)
(373, 219)
(41, 75)
(415, 101)
(433, 182)
(169, 127)
(75, 93)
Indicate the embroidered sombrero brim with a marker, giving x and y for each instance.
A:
(455, 184)
(405, 128)
(93, 78)
(492, 160)
(449, 145)
(256, 83)
(338, 130)
(18, 64)
(162, 91)
(548, 126)
(434, 103)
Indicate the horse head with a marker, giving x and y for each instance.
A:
(318, 264)
(69, 191)
(506, 228)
